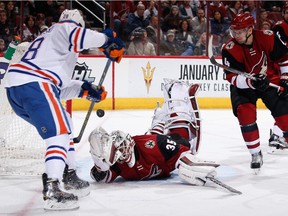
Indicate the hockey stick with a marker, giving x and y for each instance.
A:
(78, 138)
(232, 70)
(221, 184)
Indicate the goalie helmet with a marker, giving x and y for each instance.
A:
(74, 15)
(119, 148)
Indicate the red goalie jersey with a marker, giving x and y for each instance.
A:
(174, 131)
(155, 156)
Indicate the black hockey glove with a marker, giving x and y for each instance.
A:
(98, 175)
(92, 92)
(261, 83)
(284, 84)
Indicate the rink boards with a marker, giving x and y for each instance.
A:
(135, 83)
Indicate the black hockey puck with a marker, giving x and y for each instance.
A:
(100, 113)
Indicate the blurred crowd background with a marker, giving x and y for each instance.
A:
(150, 28)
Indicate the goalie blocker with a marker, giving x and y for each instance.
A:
(195, 171)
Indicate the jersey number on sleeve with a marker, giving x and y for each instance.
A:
(171, 145)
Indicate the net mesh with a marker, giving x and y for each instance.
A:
(22, 150)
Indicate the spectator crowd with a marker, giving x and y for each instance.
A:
(148, 27)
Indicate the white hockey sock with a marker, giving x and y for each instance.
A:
(71, 155)
(56, 154)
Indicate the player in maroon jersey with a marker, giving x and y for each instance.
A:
(262, 54)
(276, 140)
(170, 143)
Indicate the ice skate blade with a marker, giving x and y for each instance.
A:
(274, 150)
(53, 205)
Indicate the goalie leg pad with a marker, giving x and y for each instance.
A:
(196, 130)
(176, 97)
(182, 109)
(195, 171)
(179, 113)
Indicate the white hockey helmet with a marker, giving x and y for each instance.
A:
(74, 15)
(119, 148)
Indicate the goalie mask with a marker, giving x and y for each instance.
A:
(72, 15)
(119, 148)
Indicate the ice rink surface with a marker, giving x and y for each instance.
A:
(264, 194)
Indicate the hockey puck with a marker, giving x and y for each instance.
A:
(100, 113)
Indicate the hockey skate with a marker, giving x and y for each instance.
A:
(276, 142)
(54, 198)
(73, 184)
(257, 162)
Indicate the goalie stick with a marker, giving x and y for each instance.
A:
(221, 184)
(78, 138)
(232, 70)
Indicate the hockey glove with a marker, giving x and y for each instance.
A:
(92, 92)
(98, 175)
(261, 83)
(284, 84)
(113, 47)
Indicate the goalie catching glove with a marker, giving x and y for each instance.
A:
(113, 48)
(111, 148)
(92, 92)
(100, 171)
(193, 170)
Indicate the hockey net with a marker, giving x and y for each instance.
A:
(22, 150)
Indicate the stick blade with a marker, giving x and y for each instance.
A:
(223, 185)
(76, 140)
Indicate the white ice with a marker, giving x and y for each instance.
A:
(264, 194)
